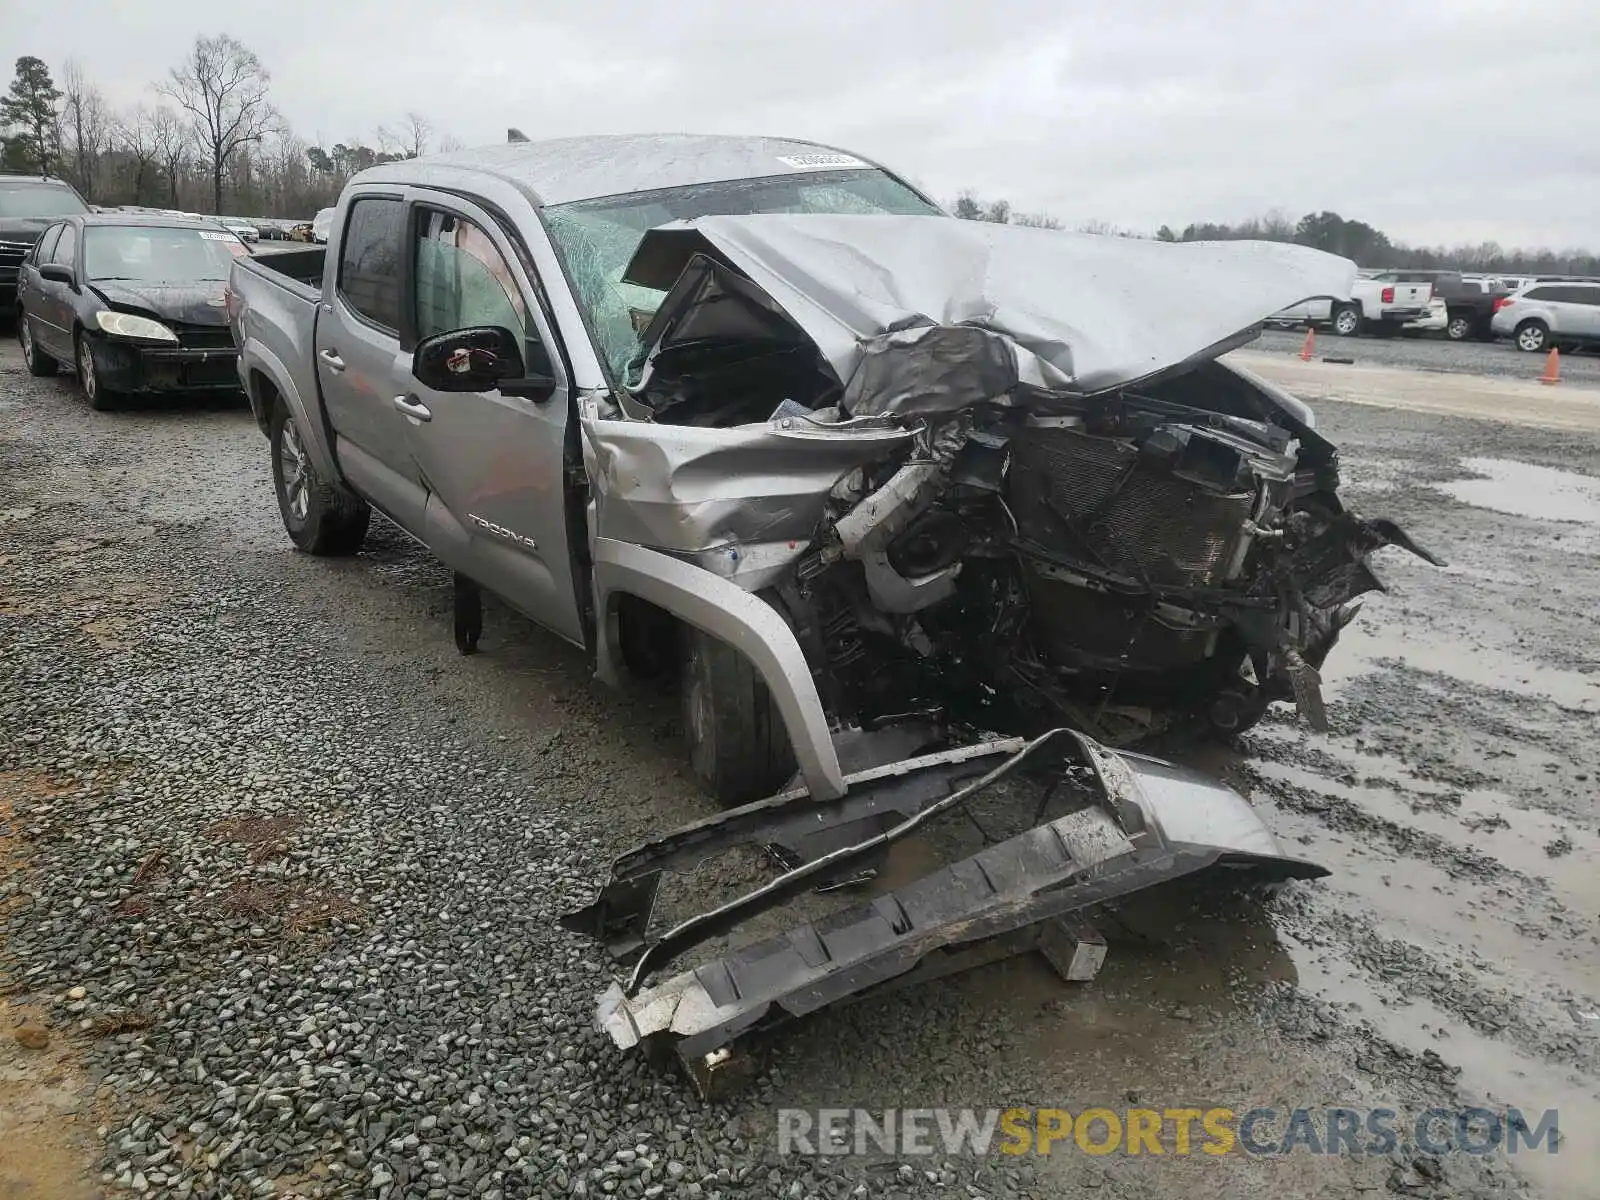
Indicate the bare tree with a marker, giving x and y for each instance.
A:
(135, 135)
(1036, 220)
(222, 86)
(450, 143)
(410, 139)
(87, 122)
(170, 137)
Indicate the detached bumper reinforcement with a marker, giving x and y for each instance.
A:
(1142, 822)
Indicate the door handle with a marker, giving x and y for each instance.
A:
(409, 406)
(331, 357)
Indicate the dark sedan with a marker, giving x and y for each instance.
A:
(133, 303)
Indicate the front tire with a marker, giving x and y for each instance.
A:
(324, 519)
(1532, 336)
(100, 397)
(40, 364)
(738, 746)
(1346, 320)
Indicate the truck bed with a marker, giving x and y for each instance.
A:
(274, 316)
(302, 266)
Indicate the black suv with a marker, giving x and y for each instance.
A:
(27, 204)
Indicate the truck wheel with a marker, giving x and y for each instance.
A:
(1532, 336)
(1460, 327)
(738, 746)
(325, 519)
(100, 397)
(1346, 320)
(39, 363)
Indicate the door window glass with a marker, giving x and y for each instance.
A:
(462, 279)
(47, 244)
(369, 259)
(67, 247)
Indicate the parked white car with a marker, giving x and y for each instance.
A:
(245, 231)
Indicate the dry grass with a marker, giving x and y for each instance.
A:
(312, 910)
(263, 837)
(111, 1024)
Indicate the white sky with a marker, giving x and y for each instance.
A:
(1435, 120)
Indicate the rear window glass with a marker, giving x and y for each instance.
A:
(370, 259)
(39, 200)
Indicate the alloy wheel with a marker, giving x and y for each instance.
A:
(296, 471)
(86, 375)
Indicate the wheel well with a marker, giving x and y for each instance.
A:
(650, 638)
(263, 395)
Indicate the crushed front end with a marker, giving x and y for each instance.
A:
(973, 528)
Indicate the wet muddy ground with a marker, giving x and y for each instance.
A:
(1451, 958)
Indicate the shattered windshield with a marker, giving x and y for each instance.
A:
(596, 238)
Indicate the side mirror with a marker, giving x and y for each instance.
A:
(482, 359)
(55, 272)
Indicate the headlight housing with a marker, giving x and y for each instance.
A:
(119, 324)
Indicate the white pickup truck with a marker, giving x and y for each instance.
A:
(1373, 306)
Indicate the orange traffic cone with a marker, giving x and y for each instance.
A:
(1310, 348)
(1552, 368)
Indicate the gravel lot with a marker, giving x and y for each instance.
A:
(278, 869)
(1430, 353)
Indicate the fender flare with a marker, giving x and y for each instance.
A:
(728, 612)
(256, 358)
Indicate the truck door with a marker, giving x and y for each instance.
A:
(493, 465)
(360, 365)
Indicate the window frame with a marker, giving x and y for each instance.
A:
(339, 293)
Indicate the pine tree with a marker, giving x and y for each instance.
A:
(29, 110)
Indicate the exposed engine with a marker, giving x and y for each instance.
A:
(1125, 561)
(973, 490)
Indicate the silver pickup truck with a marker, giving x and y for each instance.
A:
(913, 508)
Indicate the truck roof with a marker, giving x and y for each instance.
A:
(560, 170)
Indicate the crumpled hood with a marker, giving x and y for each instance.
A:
(193, 303)
(929, 314)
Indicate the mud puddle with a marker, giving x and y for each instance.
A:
(1369, 645)
(1522, 489)
(46, 1144)
(1492, 1072)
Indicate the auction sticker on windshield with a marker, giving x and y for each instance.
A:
(820, 162)
(211, 236)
